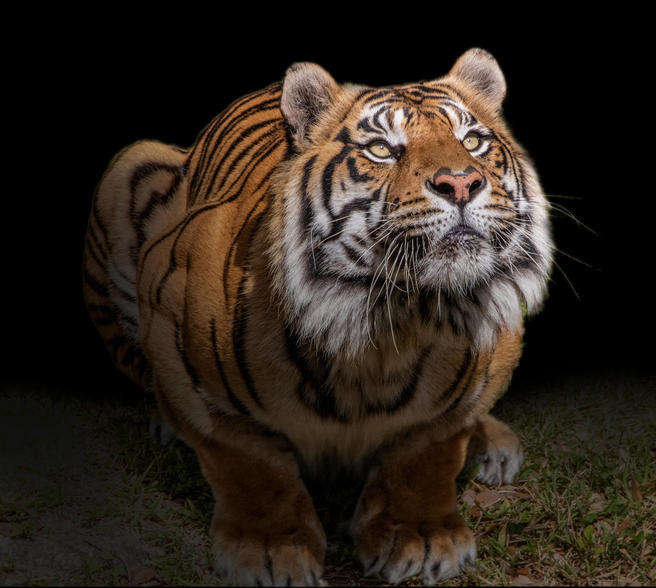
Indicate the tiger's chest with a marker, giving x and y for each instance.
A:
(347, 417)
(346, 408)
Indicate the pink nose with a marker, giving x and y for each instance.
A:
(458, 188)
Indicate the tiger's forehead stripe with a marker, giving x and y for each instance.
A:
(402, 105)
(388, 121)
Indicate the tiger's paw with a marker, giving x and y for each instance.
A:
(497, 452)
(433, 550)
(289, 557)
(498, 465)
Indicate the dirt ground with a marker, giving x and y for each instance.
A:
(70, 506)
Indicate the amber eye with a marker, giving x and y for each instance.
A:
(471, 142)
(379, 149)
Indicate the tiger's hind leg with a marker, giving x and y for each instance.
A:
(143, 190)
(160, 431)
(496, 450)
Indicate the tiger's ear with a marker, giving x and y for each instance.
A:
(307, 91)
(481, 72)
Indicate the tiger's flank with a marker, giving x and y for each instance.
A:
(332, 278)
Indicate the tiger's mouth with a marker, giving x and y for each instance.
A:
(461, 237)
(462, 244)
(460, 233)
(424, 245)
(417, 256)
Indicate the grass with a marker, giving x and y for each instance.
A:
(583, 509)
(83, 482)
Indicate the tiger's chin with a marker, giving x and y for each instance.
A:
(460, 263)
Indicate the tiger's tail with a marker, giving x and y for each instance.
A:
(143, 187)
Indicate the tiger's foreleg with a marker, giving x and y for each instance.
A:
(265, 530)
(406, 522)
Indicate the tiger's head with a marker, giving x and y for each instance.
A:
(405, 206)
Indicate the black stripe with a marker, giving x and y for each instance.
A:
(129, 296)
(182, 352)
(368, 96)
(427, 300)
(261, 155)
(208, 155)
(91, 250)
(426, 91)
(93, 237)
(209, 135)
(375, 120)
(446, 116)
(227, 263)
(239, 325)
(364, 125)
(466, 362)
(316, 376)
(473, 398)
(236, 403)
(95, 310)
(128, 319)
(95, 284)
(353, 255)
(355, 175)
(436, 88)
(156, 199)
(222, 150)
(131, 355)
(96, 216)
(362, 204)
(516, 169)
(307, 215)
(327, 177)
(407, 393)
(180, 227)
(464, 389)
(243, 153)
(115, 344)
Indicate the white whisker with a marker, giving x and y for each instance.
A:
(570, 215)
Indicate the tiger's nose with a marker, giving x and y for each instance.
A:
(457, 187)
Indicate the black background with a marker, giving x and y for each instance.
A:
(578, 100)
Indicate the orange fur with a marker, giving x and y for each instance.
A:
(190, 263)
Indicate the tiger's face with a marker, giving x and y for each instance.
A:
(409, 194)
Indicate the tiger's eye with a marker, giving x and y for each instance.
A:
(471, 142)
(379, 149)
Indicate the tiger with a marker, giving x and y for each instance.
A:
(333, 277)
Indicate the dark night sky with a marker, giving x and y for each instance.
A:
(574, 101)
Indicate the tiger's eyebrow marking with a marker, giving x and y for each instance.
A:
(365, 126)
(376, 118)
